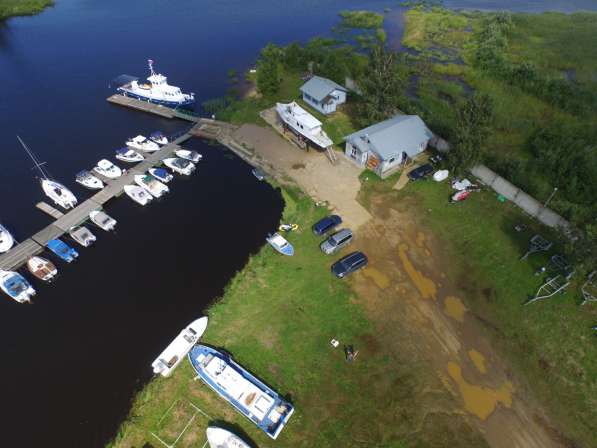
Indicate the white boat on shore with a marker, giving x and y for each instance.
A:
(6, 240)
(222, 438)
(152, 185)
(143, 144)
(102, 220)
(88, 180)
(107, 169)
(128, 155)
(303, 124)
(179, 347)
(193, 156)
(180, 166)
(138, 194)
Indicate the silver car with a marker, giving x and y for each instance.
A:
(337, 241)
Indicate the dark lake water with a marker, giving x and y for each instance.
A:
(72, 362)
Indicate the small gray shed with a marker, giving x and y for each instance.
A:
(323, 94)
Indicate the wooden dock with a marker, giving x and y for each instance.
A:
(151, 108)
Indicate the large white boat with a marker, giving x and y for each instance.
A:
(57, 192)
(179, 347)
(15, 286)
(142, 143)
(180, 166)
(152, 185)
(222, 438)
(107, 169)
(128, 155)
(6, 239)
(303, 124)
(102, 220)
(88, 180)
(138, 194)
(193, 156)
(156, 90)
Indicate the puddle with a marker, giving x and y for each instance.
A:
(478, 400)
(454, 308)
(379, 278)
(425, 285)
(478, 360)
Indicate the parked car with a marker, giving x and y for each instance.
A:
(326, 224)
(337, 241)
(349, 264)
(420, 172)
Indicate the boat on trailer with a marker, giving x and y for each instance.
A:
(6, 240)
(304, 125)
(62, 250)
(280, 243)
(249, 395)
(102, 220)
(42, 268)
(16, 286)
(161, 174)
(82, 235)
(222, 438)
(88, 180)
(179, 347)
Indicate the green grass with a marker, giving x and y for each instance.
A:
(11, 8)
(550, 343)
(435, 27)
(361, 19)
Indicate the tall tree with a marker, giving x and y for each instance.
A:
(268, 70)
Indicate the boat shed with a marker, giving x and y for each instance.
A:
(386, 146)
(323, 94)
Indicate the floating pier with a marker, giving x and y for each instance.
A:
(152, 108)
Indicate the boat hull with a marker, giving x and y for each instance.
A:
(187, 104)
(222, 438)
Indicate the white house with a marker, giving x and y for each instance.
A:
(323, 94)
(385, 146)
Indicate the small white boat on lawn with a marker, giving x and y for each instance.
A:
(42, 268)
(279, 243)
(102, 220)
(107, 169)
(180, 166)
(82, 235)
(88, 180)
(6, 240)
(138, 194)
(193, 156)
(152, 185)
(161, 174)
(143, 144)
(303, 124)
(441, 175)
(222, 438)
(158, 137)
(128, 155)
(179, 347)
(16, 286)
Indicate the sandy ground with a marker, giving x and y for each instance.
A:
(408, 298)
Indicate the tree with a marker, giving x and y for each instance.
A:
(382, 86)
(472, 129)
(268, 69)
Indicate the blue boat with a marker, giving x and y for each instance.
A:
(250, 396)
(63, 250)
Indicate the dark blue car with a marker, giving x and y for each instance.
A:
(420, 172)
(326, 224)
(349, 264)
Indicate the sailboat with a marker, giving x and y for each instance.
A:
(57, 192)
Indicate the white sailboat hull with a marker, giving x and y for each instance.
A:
(6, 240)
(59, 194)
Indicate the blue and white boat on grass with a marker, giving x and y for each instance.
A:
(250, 396)
(280, 243)
(63, 250)
(16, 286)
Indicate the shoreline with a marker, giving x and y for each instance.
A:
(17, 8)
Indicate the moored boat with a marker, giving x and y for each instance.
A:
(161, 174)
(222, 438)
(193, 156)
(180, 166)
(152, 185)
(179, 347)
(279, 243)
(143, 144)
(303, 124)
(138, 194)
(6, 240)
(128, 155)
(42, 268)
(82, 235)
(16, 286)
(102, 220)
(159, 137)
(62, 250)
(249, 395)
(88, 180)
(107, 169)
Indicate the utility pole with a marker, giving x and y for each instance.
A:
(550, 196)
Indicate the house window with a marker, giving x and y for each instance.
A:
(354, 153)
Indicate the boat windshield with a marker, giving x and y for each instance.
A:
(15, 285)
(181, 163)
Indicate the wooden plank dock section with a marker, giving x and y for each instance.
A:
(47, 208)
(19, 254)
(146, 106)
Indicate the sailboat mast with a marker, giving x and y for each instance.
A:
(38, 164)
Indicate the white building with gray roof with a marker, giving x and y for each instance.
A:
(385, 146)
(323, 94)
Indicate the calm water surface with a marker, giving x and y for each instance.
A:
(72, 362)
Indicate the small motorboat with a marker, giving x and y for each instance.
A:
(193, 156)
(161, 174)
(62, 250)
(16, 286)
(441, 175)
(61, 195)
(143, 144)
(258, 173)
(42, 268)
(107, 169)
(222, 438)
(88, 180)
(138, 194)
(128, 155)
(180, 166)
(152, 185)
(460, 196)
(179, 347)
(279, 243)
(82, 235)
(6, 240)
(461, 185)
(158, 137)
(102, 220)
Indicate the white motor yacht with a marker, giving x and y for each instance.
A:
(107, 169)
(138, 194)
(180, 166)
(303, 124)
(6, 239)
(128, 155)
(102, 220)
(152, 185)
(193, 156)
(88, 180)
(143, 144)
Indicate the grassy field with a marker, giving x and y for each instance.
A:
(11, 8)
(550, 343)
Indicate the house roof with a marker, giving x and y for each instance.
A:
(402, 133)
(318, 87)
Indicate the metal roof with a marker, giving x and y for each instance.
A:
(318, 87)
(402, 133)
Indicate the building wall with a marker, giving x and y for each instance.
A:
(355, 155)
(314, 104)
(326, 109)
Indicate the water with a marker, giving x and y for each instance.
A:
(72, 362)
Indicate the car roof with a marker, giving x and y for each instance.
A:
(341, 233)
(353, 257)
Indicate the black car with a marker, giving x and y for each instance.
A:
(349, 264)
(420, 172)
(326, 224)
